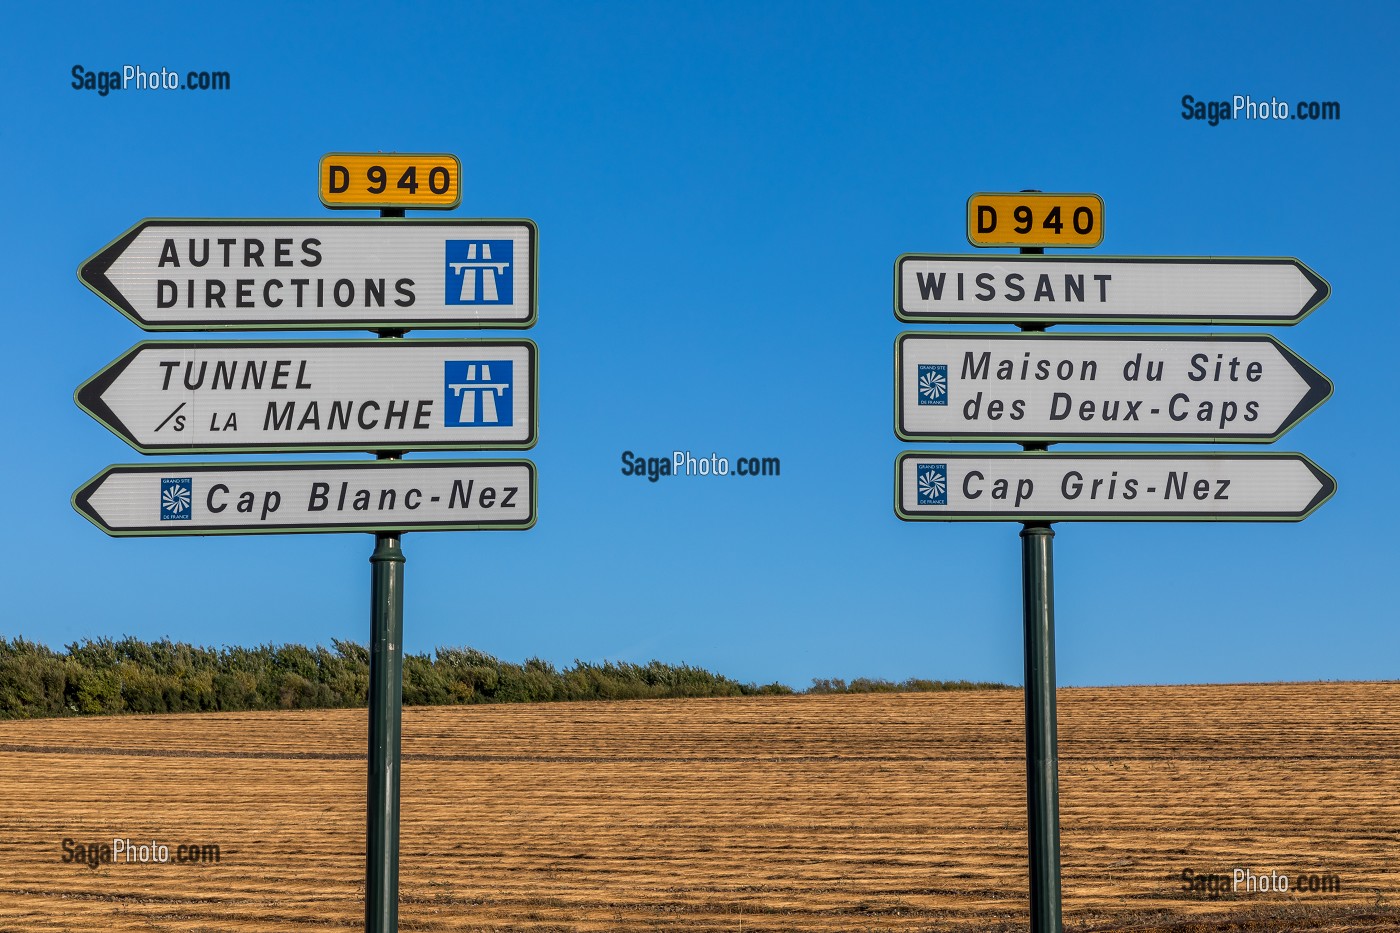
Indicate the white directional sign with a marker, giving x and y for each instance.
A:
(1076, 387)
(1028, 486)
(309, 274)
(280, 498)
(287, 395)
(1104, 289)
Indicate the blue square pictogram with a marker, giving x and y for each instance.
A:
(477, 393)
(933, 384)
(176, 498)
(480, 272)
(933, 483)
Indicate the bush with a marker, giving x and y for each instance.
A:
(912, 685)
(99, 692)
(104, 676)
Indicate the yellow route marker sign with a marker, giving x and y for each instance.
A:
(1035, 219)
(390, 180)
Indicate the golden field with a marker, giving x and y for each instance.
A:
(885, 812)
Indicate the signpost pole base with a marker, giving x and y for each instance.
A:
(385, 733)
(1042, 754)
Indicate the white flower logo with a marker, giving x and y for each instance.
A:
(933, 483)
(175, 499)
(933, 385)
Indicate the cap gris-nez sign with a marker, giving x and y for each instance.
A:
(1056, 487)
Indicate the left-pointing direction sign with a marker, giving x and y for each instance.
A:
(359, 274)
(280, 498)
(287, 395)
(1022, 486)
(1080, 387)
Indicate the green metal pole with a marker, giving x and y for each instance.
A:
(1042, 744)
(385, 733)
(1042, 753)
(385, 721)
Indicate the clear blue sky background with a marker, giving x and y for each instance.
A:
(721, 191)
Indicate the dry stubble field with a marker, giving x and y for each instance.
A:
(821, 813)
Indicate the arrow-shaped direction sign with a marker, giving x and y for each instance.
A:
(1104, 289)
(1081, 387)
(1022, 486)
(366, 273)
(288, 395)
(281, 498)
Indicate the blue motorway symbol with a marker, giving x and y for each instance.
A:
(477, 393)
(479, 272)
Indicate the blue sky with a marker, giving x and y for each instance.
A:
(721, 191)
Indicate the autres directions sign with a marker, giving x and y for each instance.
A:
(1080, 387)
(933, 288)
(365, 273)
(1037, 486)
(305, 497)
(289, 395)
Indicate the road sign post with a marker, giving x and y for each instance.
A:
(385, 396)
(1036, 389)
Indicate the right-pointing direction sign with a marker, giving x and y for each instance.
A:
(1080, 387)
(281, 498)
(1030, 486)
(1104, 289)
(288, 395)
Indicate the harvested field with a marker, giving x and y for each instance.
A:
(886, 812)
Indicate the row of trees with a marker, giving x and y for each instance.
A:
(131, 676)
